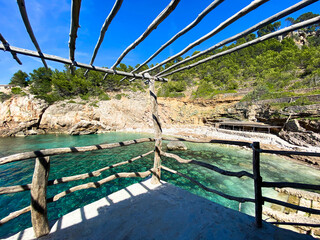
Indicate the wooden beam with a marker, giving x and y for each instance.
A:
(7, 48)
(39, 217)
(74, 25)
(289, 205)
(238, 199)
(194, 23)
(157, 133)
(257, 26)
(96, 173)
(248, 44)
(57, 151)
(252, 6)
(97, 184)
(291, 184)
(24, 15)
(208, 166)
(236, 143)
(163, 15)
(104, 28)
(257, 184)
(77, 64)
(15, 214)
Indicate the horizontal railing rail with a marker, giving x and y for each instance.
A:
(58, 151)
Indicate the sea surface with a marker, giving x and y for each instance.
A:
(273, 168)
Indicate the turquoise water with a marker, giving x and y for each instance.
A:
(273, 168)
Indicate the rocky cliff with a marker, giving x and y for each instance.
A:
(25, 115)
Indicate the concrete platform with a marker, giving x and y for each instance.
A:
(145, 211)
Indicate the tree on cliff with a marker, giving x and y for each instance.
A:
(20, 79)
(40, 81)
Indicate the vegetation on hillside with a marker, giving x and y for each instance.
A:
(270, 69)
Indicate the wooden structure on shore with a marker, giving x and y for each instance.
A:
(248, 126)
(40, 181)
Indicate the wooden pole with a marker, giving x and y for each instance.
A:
(157, 133)
(38, 192)
(24, 15)
(257, 184)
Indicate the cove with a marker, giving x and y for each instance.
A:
(273, 168)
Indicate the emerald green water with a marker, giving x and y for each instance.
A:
(273, 168)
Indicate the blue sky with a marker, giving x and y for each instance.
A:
(50, 21)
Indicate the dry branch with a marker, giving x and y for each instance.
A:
(75, 13)
(105, 27)
(24, 15)
(248, 44)
(252, 6)
(56, 151)
(289, 205)
(26, 187)
(194, 23)
(101, 182)
(209, 166)
(7, 48)
(313, 154)
(290, 219)
(77, 64)
(237, 143)
(163, 15)
(238, 199)
(263, 23)
(14, 215)
(291, 184)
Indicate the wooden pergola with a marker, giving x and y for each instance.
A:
(41, 223)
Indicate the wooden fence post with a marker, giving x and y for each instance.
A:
(257, 184)
(157, 132)
(38, 192)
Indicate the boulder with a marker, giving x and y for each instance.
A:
(87, 127)
(176, 146)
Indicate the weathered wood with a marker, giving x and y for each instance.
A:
(252, 29)
(57, 151)
(312, 154)
(257, 184)
(74, 25)
(247, 44)
(289, 205)
(290, 219)
(208, 166)
(194, 23)
(238, 199)
(155, 23)
(237, 143)
(24, 15)
(291, 184)
(252, 6)
(15, 214)
(15, 189)
(97, 184)
(39, 217)
(26, 187)
(104, 28)
(77, 64)
(157, 133)
(7, 48)
(300, 193)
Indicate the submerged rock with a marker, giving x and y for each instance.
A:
(176, 145)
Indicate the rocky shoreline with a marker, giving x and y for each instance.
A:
(26, 115)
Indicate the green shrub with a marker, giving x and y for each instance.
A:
(4, 96)
(16, 90)
(104, 97)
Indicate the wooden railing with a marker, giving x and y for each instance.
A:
(38, 187)
(256, 176)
